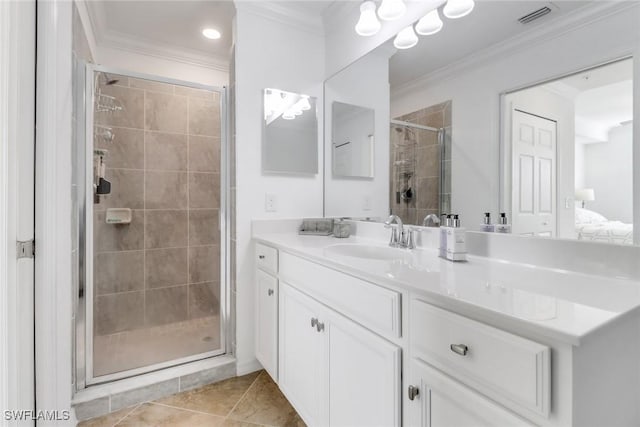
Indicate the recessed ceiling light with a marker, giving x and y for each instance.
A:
(211, 33)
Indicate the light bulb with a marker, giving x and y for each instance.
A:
(429, 24)
(391, 9)
(368, 23)
(289, 115)
(458, 8)
(406, 38)
(211, 33)
(304, 103)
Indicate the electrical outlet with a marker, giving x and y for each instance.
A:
(270, 202)
(366, 203)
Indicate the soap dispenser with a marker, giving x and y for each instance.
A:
(445, 224)
(456, 241)
(486, 225)
(503, 225)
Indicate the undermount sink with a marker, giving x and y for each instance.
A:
(367, 252)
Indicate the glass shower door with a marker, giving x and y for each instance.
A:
(154, 279)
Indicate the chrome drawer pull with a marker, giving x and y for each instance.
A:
(270, 292)
(314, 322)
(261, 256)
(320, 326)
(460, 349)
(413, 392)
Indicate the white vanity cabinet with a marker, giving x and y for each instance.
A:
(267, 308)
(443, 402)
(334, 371)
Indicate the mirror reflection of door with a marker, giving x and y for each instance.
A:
(534, 175)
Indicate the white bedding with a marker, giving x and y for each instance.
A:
(607, 231)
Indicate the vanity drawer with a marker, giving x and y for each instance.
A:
(266, 258)
(373, 306)
(509, 368)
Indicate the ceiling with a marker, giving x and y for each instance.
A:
(172, 28)
(490, 22)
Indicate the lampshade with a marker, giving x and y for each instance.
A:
(585, 194)
(391, 9)
(368, 23)
(429, 24)
(458, 8)
(406, 38)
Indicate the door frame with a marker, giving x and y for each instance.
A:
(17, 146)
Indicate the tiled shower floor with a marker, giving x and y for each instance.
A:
(148, 346)
(247, 401)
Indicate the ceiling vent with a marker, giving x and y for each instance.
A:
(534, 15)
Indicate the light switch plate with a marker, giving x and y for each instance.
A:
(270, 202)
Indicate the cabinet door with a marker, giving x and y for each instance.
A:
(364, 376)
(267, 322)
(301, 369)
(443, 402)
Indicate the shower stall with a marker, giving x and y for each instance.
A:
(420, 168)
(152, 238)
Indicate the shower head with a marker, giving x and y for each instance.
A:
(106, 80)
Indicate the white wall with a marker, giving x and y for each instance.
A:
(608, 169)
(475, 93)
(269, 54)
(366, 84)
(545, 103)
(356, 157)
(156, 66)
(579, 172)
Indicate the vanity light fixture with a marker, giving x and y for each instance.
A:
(304, 103)
(406, 38)
(368, 23)
(289, 115)
(429, 24)
(391, 10)
(458, 8)
(211, 33)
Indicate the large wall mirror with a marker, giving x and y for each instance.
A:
(495, 113)
(289, 133)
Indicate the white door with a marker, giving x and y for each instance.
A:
(17, 117)
(267, 322)
(302, 370)
(443, 402)
(533, 187)
(364, 376)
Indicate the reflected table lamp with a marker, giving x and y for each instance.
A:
(585, 195)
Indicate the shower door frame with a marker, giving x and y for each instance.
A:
(84, 312)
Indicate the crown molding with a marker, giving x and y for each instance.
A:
(338, 13)
(280, 13)
(554, 29)
(106, 38)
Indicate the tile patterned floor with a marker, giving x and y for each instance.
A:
(248, 401)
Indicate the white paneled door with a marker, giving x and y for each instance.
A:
(533, 175)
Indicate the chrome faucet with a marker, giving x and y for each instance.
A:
(431, 220)
(397, 231)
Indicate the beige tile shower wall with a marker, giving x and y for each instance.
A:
(421, 148)
(164, 164)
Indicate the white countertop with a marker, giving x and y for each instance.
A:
(562, 305)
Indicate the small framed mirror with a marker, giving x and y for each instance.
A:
(289, 133)
(352, 140)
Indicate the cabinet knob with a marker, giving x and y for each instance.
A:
(460, 349)
(320, 326)
(270, 292)
(314, 321)
(413, 392)
(261, 256)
